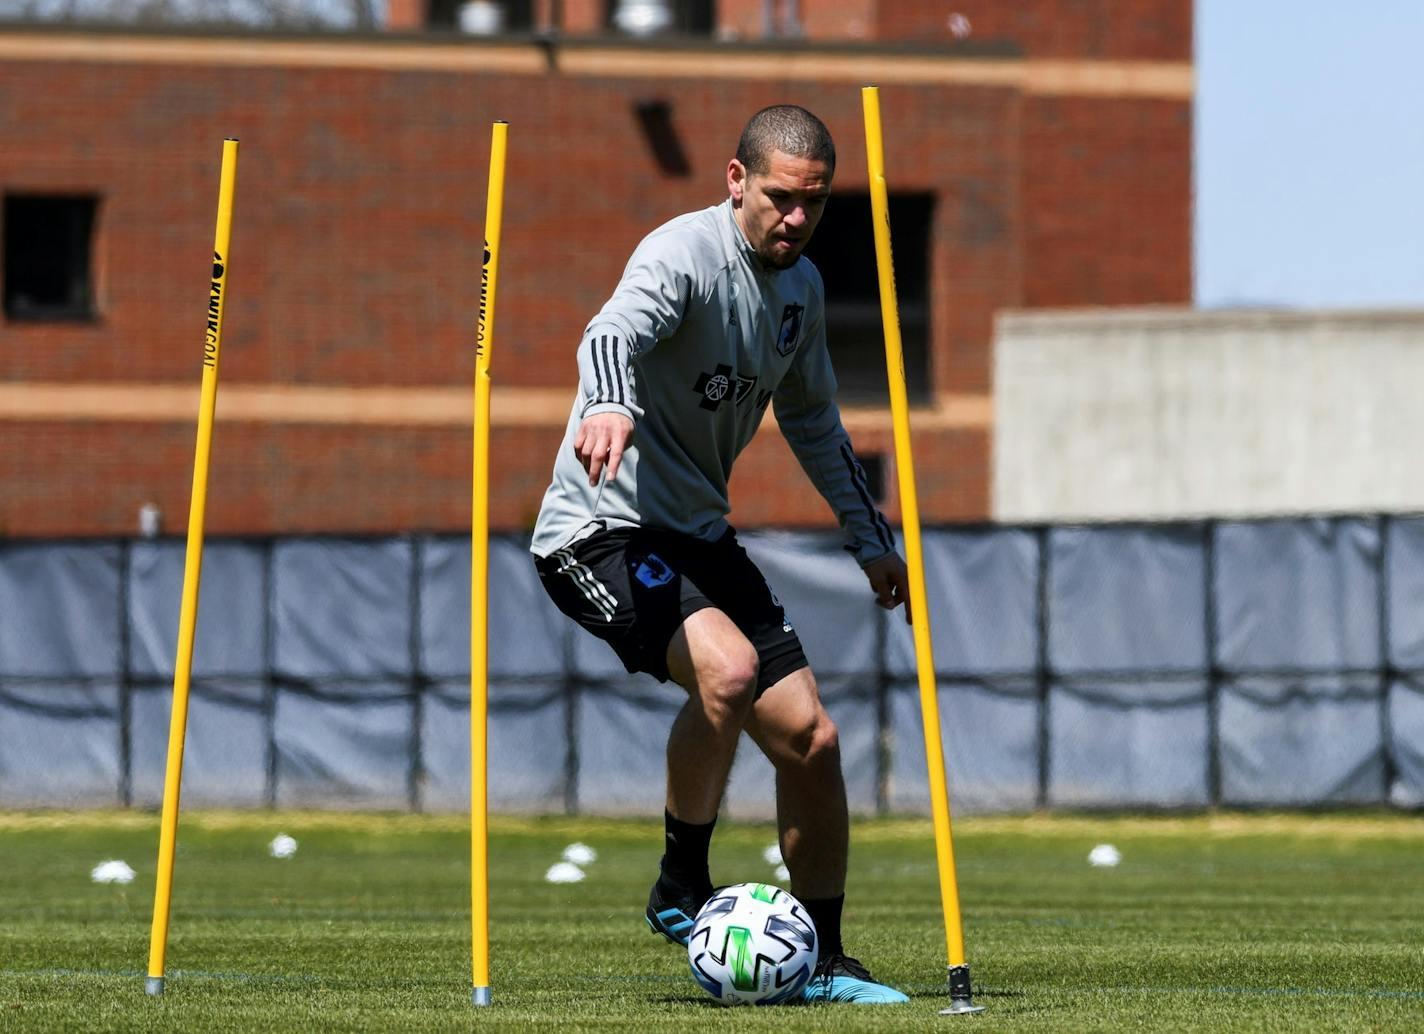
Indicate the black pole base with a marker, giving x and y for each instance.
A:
(960, 1001)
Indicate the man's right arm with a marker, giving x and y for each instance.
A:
(647, 306)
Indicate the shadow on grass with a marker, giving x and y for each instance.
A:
(941, 991)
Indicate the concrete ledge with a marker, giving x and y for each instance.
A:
(1168, 80)
(434, 406)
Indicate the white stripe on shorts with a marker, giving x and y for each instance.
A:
(593, 590)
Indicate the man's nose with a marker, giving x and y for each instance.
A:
(796, 216)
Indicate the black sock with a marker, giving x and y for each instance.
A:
(685, 852)
(826, 914)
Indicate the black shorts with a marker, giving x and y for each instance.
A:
(634, 587)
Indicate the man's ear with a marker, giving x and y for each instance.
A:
(736, 180)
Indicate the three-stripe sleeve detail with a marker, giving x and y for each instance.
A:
(877, 519)
(609, 358)
(597, 372)
(614, 369)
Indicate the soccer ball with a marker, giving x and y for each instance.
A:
(752, 944)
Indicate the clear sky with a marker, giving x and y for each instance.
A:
(1310, 153)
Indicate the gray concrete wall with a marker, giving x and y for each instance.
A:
(1165, 413)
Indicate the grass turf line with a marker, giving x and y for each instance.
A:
(1222, 923)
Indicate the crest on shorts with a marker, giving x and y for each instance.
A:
(653, 571)
(790, 331)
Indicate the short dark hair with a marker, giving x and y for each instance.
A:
(787, 128)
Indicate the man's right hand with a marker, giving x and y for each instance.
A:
(600, 443)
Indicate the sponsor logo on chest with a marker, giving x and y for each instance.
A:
(719, 385)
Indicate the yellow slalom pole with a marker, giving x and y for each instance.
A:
(959, 992)
(192, 574)
(479, 582)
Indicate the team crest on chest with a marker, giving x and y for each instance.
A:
(790, 332)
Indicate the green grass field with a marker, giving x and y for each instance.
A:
(1221, 923)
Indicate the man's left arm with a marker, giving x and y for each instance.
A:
(809, 419)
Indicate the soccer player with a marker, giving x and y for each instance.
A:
(718, 314)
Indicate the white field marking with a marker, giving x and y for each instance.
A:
(303, 978)
(1304, 992)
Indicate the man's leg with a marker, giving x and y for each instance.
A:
(711, 659)
(799, 738)
(717, 666)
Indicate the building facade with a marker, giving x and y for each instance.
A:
(1043, 159)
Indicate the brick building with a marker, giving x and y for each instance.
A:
(1040, 158)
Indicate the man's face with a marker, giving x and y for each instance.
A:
(778, 209)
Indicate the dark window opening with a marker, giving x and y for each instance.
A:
(514, 15)
(682, 17)
(49, 257)
(843, 249)
(655, 120)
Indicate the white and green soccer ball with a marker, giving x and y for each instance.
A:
(752, 944)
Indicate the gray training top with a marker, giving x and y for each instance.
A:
(694, 343)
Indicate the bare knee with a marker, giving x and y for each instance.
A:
(816, 746)
(727, 685)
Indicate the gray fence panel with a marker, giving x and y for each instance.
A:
(1302, 741)
(1303, 595)
(1127, 599)
(990, 743)
(1114, 745)
(60, 746)
(226, 754)
(342, 608)
(232, 609)
(526, 634)
(350, 752)
(59, 609)
(527, 741)
(622, 736)
(1406, 725)
(1298, 594)
(982, 586)
(1405, 597)
(983, 591)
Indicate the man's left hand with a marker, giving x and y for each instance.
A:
(891, 581)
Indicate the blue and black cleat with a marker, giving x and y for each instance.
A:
(840, 978)
(672, 910)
